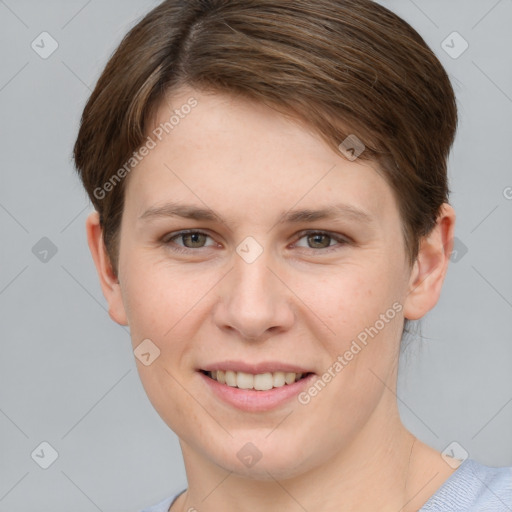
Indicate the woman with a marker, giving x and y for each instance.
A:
(271, 199)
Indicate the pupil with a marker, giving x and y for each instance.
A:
(195, 237)
(317, 237)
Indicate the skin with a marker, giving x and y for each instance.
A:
(297, 302)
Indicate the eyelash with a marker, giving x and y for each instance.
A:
(168, 240)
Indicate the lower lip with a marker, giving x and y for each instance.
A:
(256, 401)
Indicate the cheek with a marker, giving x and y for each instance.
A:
(335, 302)
(160, 304)
(347, 298)
(158, 296)
(364, 311)
(360, 312)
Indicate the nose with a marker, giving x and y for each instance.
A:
(255, 301)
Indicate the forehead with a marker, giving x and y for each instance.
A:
(229, 152)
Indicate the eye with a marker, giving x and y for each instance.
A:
(322, 240)
(190, 239)
(197, 240)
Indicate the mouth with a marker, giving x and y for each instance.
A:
(257, 382)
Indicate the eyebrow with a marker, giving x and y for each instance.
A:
(188, 211)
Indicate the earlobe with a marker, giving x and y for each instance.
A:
(429, 270)
(108, 280)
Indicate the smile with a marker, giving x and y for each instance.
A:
(258, 382)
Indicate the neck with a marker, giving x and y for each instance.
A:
(382, 469)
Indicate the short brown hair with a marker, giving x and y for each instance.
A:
(344, 67)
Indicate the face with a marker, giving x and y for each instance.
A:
(224, 265)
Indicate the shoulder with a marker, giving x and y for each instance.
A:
(474, 486)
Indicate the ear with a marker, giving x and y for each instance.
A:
(108, 280)
(429, 269)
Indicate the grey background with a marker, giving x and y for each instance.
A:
(67, 372)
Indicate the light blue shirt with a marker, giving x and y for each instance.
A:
(473, 487)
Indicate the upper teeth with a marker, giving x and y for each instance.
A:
(260, 382)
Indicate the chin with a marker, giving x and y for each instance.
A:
(270, 463)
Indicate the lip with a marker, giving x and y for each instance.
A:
(250, 400)
(255, 368)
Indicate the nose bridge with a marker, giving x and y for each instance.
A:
(251, 280)
(253, 298)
